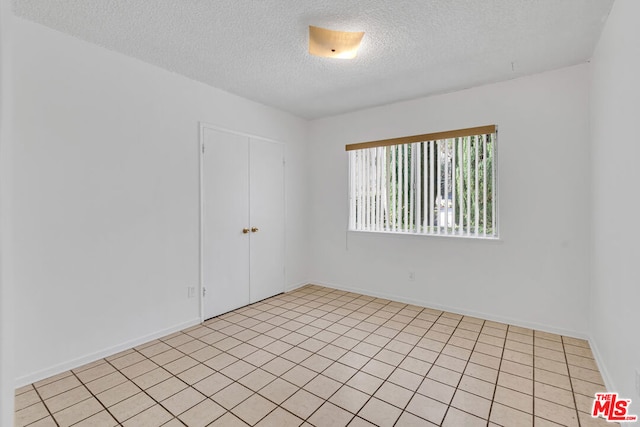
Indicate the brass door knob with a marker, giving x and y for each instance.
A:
(254, 229)
(245, 230)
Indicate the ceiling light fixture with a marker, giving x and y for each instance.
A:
(334, 44)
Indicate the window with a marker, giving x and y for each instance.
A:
(435, 184)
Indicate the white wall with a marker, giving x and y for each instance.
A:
(615, 110)
(537, 275)
(6, 283)
(106, 196)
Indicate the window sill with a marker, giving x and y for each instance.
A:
(410, 235)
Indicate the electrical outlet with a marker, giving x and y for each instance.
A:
(191, 291)
(412, 276)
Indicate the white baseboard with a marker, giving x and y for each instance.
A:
(80, 361)
(606, 377)
(295, 286)
(487, 316)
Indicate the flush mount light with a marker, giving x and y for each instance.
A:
(334, 44)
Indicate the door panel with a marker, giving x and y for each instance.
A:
(267, 214)
(225, 213)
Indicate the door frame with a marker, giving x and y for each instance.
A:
(202, 127)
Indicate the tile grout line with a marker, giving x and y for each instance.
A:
(398, 331)
(131, 379)
(336, 361)
(219, 371)
(342, 384)
(462, 374)
(396, 367)
(143, 390)
(348, 350)
(573, 395)
(439, 353)
(429, 370)
(495, 389)
(362, 340)
(326, 344)
(403, 359)
(280, 376)
(46, 407)
(93, 396)
(353, 416)
(319, 373)
(256, 367)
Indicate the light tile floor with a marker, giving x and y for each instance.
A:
(322, 357)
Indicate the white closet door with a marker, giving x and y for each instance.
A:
(267, 216)
(225, 196)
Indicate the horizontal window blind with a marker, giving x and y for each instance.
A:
(437, 187)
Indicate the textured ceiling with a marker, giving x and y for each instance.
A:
(258, 48)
